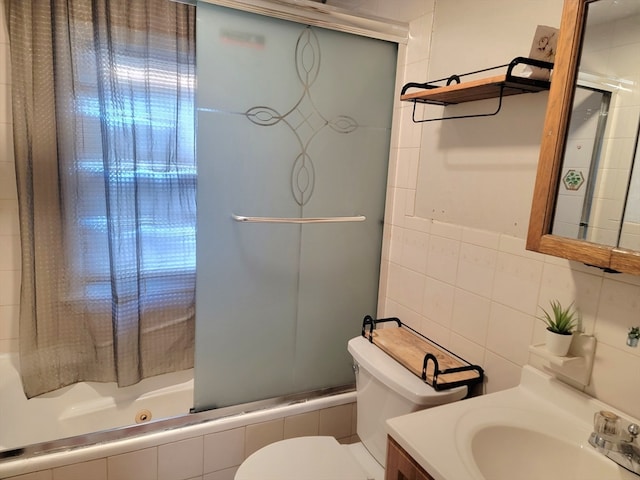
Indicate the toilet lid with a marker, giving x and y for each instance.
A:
(311, 458)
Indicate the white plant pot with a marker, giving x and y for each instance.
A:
(558, 344)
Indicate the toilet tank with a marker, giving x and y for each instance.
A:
(386, 389)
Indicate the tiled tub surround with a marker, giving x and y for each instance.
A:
(211, 450)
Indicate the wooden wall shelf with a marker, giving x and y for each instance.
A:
(455, 91)
(491, 87)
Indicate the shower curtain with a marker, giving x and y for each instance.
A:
(103, 105)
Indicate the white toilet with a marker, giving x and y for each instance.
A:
(385, 389)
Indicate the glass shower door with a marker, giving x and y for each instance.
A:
(293, 124)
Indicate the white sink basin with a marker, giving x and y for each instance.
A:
(531, 443)
(536, 431)
(500, 450)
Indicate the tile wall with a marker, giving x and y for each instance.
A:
(9, 230)
(460, 273)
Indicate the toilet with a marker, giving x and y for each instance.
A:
(384, 389)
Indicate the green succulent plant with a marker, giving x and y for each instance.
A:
(560, 320)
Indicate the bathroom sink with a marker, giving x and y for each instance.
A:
(499, 451)
(538, 430)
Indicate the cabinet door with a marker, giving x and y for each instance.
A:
(400, 465)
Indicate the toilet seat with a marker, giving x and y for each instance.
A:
(311, 458)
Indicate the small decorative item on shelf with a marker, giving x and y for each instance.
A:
(633, 336)
(560, 324)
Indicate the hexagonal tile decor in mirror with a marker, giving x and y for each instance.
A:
(573, 180)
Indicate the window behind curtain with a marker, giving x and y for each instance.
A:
(155, 125)
(104, 139)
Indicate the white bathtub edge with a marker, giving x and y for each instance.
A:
(20, 466)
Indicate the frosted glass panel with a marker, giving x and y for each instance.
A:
(293, 121)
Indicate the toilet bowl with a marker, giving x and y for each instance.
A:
(384, 389)
(310, 458)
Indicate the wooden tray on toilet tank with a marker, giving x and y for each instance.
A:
(437, 366)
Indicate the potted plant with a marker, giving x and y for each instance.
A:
(633, 336)
(560, 324)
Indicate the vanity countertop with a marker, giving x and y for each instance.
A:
(440, 438)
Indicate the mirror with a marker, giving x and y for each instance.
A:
(586, 204)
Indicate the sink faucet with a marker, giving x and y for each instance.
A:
(618, 446)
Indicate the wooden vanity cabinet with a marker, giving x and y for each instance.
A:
(400, 465)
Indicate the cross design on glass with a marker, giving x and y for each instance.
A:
(304, 119)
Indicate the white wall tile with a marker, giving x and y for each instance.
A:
(566, 285)
(410, 132)
(406, 287)
(418, 224)
(517, 282)
(619, 309)
(447, 230)
(442, 260)
(501, 373)
(302, 425)
(42, 475)
(481, 238)
(510, 333)
(403, 11)
(336, 421)
(394, 244)
(407, 167)
(615, 379)
(259, 435)
(142, 463)
(5, 102)
(396, 199)
(9, 345)
(438, 301)
(470, 351)
(227, 474)
(9, 287)
(476, 269)
(6, 143)
(623, 278)
(181, 460)
(224, 450)
(8, 189)
(409, 317)
(9, 321)
(420, 38)
(435, 331)
(471, 316)
(5, 64)
(415, 249)
(387, 232)
(4, 32)
(9, 252)
(94, 470)
(409, 203)
(9, 224)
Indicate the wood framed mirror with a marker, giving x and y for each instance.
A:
(599, 234)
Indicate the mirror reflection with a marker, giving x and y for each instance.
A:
(598, 196)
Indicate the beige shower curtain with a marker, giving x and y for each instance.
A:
(103, 98)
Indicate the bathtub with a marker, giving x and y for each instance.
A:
(85, 407)
(93, 421)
